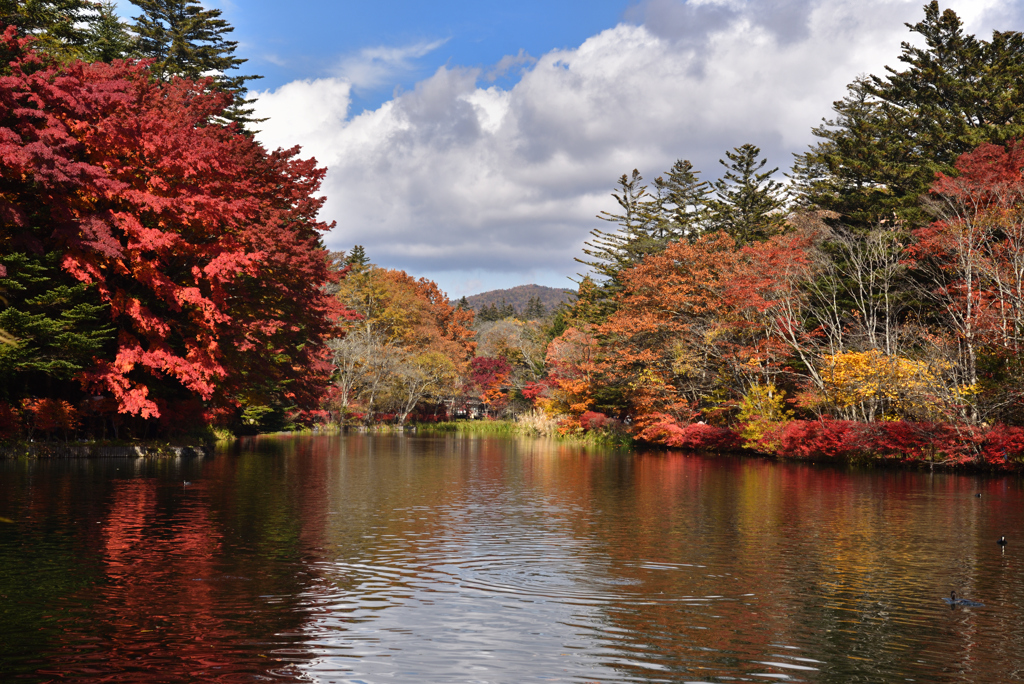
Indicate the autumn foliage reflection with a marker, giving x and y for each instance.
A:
(184, 595)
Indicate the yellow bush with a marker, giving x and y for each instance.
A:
(762, 410)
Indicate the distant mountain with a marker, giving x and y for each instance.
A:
(520, 296)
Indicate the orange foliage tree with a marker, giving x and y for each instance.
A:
(405, 342)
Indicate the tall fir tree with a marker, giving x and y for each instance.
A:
(748, 204)
(55, 328)
(890, 135)
(183, 38)
(534, 309)
(608, 252)
(357, 258)
(61, 26)
(648, 222)
(108, 37)
(680, 204)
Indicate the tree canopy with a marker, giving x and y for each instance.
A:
(891, 134)
(197, 246)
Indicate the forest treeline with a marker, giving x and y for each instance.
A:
(873, 306)
(530, 302)
(160, 269)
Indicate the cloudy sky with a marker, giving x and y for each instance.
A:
(474, 141)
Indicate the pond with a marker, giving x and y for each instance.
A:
(366, 559)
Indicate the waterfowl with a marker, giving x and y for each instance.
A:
(1001, 541)
(954, 601)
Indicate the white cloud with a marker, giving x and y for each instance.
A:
(460, 181)
(508, 63)
(302, 112)
(376, 66)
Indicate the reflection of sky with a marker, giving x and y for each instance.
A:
(476, 578)
(496, 562)
(494, 570)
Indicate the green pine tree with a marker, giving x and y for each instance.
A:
(609, 252)
(108, 38)
(62, 26)
(487, 313)
(534, 309)
(186, 39)
(748, 204)
(505, 310)
(58, 326)
(678, 209)
(357, 258)
(681, 204)
(648, 222)
(590, 306)
(890, 135)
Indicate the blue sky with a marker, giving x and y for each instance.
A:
(473, 143)
(304, 39)
(312, 38)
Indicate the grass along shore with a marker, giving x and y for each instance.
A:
(533, 424)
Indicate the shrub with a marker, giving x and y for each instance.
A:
(10, 425)
(697, 436)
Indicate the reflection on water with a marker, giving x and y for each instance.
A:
(405, 559)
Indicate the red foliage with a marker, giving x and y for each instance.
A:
(903, 440)
(47, 415)
(205, 245)
(179, 417)
(669, 299)
(310, 418)
(489, 376)
(532, 390)
(662, 429)
(977, 248)
(9, 422)
(906, 441)
(485, 372)
(1003, 444)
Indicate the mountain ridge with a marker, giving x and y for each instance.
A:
(519, 297)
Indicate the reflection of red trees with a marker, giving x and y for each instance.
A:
(167, 611)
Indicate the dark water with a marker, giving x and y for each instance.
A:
(391, 559)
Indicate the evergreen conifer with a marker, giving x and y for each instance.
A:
(357, 258)
(108, 38)
(534, 309)
(186, 39)
(748, 204)
(62, 26)
(890, 135)
(56, 326)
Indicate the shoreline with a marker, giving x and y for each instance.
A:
(502, 428)
(59, 451)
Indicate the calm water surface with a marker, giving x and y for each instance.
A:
(408, 559)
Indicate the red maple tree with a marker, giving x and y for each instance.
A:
(205, 245)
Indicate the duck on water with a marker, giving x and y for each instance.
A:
(953, 600)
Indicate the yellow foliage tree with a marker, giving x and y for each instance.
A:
(762, 410)
(871, 385)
